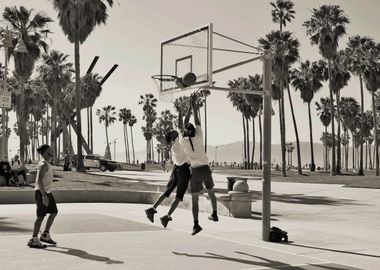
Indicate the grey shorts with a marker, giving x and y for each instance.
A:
(200, 175)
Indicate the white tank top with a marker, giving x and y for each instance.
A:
(47, 179)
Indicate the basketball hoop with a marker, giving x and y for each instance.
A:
(165, 82)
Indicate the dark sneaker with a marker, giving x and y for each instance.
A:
(45, 237)
(35, 243)
(213, 217)
(196, 229)
(150, 214)
(165, 220)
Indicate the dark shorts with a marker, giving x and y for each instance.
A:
(179, 178)
(199, 176)
(42, 210)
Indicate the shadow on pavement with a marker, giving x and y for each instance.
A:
(8, 226)
(334, 250)
(305, 199)
(265, 262)
(83, 254)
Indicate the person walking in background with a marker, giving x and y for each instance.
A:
(66, 159)
(192, 143)
(44, 199)
(18, 168)
(179, 178)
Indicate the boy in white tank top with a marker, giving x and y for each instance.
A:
(44, 199)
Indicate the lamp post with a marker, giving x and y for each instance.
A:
(5, 96)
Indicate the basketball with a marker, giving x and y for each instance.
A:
(189, 79)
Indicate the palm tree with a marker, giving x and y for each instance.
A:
(107, 115)
(326, 25)
(372, 82)
(149, 103)
(349, 110)
(282, 13)
(124, 116)
(324, 112)
(78, 19)
(56, 73)
(339, 79)
(164, 124)
(308, 80)
(132, 121)
(285, 52)
(33, 31)
(356, 52)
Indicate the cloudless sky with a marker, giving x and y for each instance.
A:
(132, 36)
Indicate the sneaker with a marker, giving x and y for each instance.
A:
(35, 243)
(150, 214)
(165, 220)
(196, 229)
(45, 237)
(213, 217)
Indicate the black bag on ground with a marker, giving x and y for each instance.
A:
(278, 235)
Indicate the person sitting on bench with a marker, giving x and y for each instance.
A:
(18, 168)
(5, 170)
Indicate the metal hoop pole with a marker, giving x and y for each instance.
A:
(266, 182)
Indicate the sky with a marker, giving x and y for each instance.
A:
(132, 36)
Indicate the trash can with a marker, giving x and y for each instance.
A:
(230, 182)
(142, 166)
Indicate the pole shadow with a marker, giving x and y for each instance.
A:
(81, 254)
(333, 250)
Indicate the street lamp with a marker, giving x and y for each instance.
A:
(216, 154)
(5, 96)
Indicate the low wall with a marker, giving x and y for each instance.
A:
(88, 196)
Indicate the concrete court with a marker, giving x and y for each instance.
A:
(330, 227)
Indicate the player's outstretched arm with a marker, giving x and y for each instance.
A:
(197, 122)
(180, 120)
(187, 118)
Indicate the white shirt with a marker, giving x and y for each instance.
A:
(16, 165)
(197, 157)
(47, 179)
(178, 154)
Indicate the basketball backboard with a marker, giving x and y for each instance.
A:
(189, 52)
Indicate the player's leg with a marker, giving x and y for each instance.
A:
(45, 237)
(169, 189)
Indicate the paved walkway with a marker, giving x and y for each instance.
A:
(330, 227)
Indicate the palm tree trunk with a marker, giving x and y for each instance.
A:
(299, 162)
(361, 172)
(105, 126)
(125, 144)
(80, 166)
(152, 146)
(347, 148)
(91, 132)
(253, 141)
(47, 124)
(338, 154)
(312, 163)
(88, 125)
(282, 124)
(133, 147)
(245, 143)
(333, 163)
(22, 131)
(376, 149)
(366, 154)
(53, 130)
(326, 153)
(370, 156)
(248, 146)
(261, 144)
(127, 150)
(353, 150)
(205, 124)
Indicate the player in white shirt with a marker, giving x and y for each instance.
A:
(192, 143)
(179, 178)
